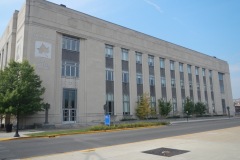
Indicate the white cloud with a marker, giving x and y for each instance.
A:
(157, 7)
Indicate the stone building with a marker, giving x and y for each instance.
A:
(87, 63)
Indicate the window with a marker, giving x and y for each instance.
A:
(173, 83)
(109, 51)
(180, 67)
(125, 77)
(139, 78)
(172, 65)
(189, 69)
(211, 87)
(220, 76)
(69, 105)
(150, 60)
(210, 74)
(126, 105)
(198, 86)
(203, 72)
(139, 99)
(163, 81)
(183, 103)
(109, 107)
(70, 69)
(190, 85)
(153, 102)
(221, 83)
(162, 63)
(182, 84)
(205, 87)
(139, 57)
(109, 74)
(174, 103)
(197, 70)
(124, 54)
(70, 43)
(151, 80)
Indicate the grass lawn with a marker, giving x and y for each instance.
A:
(97, 128)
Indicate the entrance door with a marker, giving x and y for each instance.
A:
(69, 105)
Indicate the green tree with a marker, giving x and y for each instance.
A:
(200, 108)
(188, 106)
(20, 90)
(165, 107)
(143, 107)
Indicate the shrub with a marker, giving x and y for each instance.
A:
(200, 108)
(143, 107)
(164, 107)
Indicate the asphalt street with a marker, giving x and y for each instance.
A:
(17, 149)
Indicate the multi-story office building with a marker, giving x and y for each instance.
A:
(90, 67)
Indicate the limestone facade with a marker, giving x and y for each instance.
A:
(82, 61)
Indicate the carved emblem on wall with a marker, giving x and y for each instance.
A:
(43, 49)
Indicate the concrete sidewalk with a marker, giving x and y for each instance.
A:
(9, 136)
(221, 144)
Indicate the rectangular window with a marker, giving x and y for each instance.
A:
(109, 74)
(205, 87)
(124, 54)
(189, 69)
(153, 102)
(183, 103)
(125, 77)
(211, 87)
(174, 104)
(139, 78)
(172, 65)
(163, 81)
(69, 105)
(162, 63)
(203, 72)
(70, 69)
(109, 108)
(210, 73)
(126, 105)
(70, 43)
(197, 70)
(190, 85)
(109, 51)
(198, 86)
(173, 83)
(150, 60)
(151, 80)
(220, 76)
(221, 83)
(180, 67)
(182, 84)
(138, 57)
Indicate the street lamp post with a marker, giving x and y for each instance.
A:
(228, 108)
(46, 107)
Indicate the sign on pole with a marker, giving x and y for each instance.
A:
(107, 120)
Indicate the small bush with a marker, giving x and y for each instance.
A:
(128, 119)
(126, 125)
(174, 117)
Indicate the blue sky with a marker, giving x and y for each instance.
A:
(211, 27)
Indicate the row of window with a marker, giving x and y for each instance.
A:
(109, 53)
(70, 43)
(139, 80)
